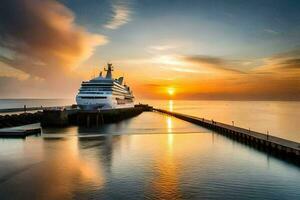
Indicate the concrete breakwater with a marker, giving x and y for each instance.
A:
(20, 131)
(20, 119)
(65, 116)
(277, 146)
(25, 109)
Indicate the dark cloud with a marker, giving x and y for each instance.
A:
(288, 62)
(206, 59)
(293, 63)
(284, 62)
(289, 54)
(214, 63)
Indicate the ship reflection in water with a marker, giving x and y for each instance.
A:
(149, 156)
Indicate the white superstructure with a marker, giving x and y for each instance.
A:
(104, 93)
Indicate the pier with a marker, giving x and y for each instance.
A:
(19, 131)
(26, 109)
(89, 118)
(277, 146)
(13, 120)
(66, 116)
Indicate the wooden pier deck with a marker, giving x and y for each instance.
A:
(263, 141)
(19, 131)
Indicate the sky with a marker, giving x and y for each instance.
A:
(179, 49)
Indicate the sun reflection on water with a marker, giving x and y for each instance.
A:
(170, 105)
(169, 130)
(165, 183)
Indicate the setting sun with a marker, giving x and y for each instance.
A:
(171, 91)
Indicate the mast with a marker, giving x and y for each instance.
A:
(109, 71)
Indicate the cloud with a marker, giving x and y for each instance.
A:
(162, 47)
(43, 38)
(288, 62)
(271, 78)
(167, 60)
(152, 85)
(214, 63)
(293, 63)
(183, 69)
(120, 16)
(41, 45)
(7, 71)
(201, 64)
(275, 77)
(271, 31)
(205, 59)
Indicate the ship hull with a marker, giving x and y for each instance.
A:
(102, 104)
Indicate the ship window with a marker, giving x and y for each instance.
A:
(93, 97)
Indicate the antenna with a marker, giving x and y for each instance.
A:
(108, 70)
(110, 67)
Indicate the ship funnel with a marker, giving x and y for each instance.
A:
(120, 80)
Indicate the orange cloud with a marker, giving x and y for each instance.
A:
(43, 38)
(40, 48)
(276, 78)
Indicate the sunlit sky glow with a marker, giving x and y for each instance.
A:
(202, 49)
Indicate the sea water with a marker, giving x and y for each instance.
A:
(151, 156)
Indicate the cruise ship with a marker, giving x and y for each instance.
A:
(104, 92)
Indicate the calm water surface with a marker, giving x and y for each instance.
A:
(19, 103)
(279, 118)
(151, 156)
